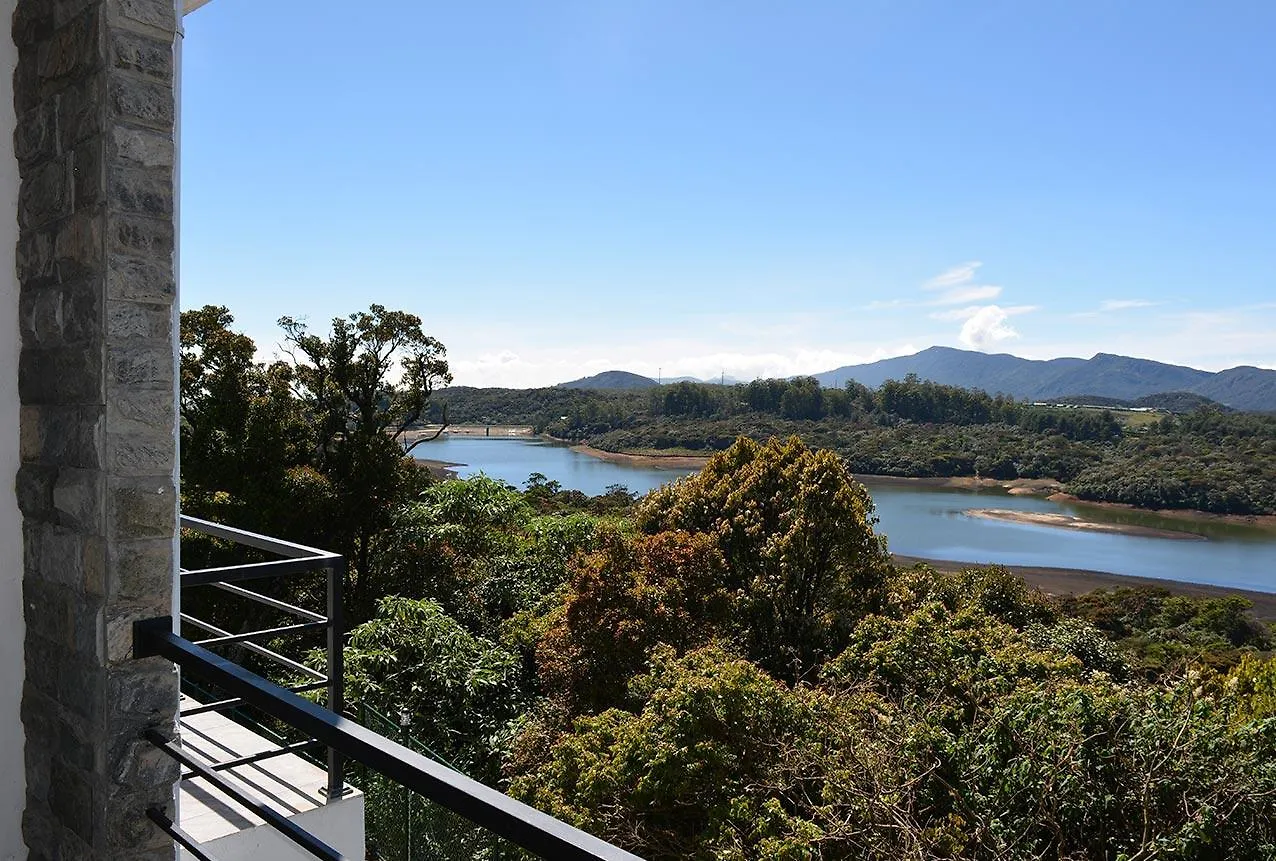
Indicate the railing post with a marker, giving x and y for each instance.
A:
(336, 670)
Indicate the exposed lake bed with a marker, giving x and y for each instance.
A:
(1071, 521)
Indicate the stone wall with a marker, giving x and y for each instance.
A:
(95, 97)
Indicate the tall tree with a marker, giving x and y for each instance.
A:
(366, 382)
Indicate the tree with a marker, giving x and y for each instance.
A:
(458, 692)
(796, 531)
(362, 409)
(631, 594)
(246, 442)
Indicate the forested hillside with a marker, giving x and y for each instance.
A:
(1209, 459)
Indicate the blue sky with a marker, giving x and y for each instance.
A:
(559, 188)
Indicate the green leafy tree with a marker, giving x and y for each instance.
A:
(247, 444)
(366, 383)
(457, 692)
(796, 531)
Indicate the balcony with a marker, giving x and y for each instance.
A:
(265, 760)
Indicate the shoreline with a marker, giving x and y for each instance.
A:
(1067, 521)
(654, 461)
(1259, 521)
(1078, 581)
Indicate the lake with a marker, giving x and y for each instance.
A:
(931, 522)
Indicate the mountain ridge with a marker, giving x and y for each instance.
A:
(1104, 374)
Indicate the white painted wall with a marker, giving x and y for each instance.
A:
(12, 766)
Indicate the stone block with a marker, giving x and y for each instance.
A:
(82, 688)
(129, 454)
(142, 146)
(35, 260)
(142, 569)
(152, 14)
(47, 611)
(141, 410)
(76, 744)
(80, 111)
(34, 488)
(133, 320)
(144, 191)
(130, 831)
(140, 280)
(72, 801)
(61, 375)
(77, 497)
(36, 137)
(135, 364)
(142, 54)
(78, 246)
(66, 435)
(59, 315)
(145, 103)
(95, 565)
(54, 554)
(72, 49)
(141, 694)
(45, 193)
(142, 508)
(139, 236)
(82, 311)
(119, 628)
(88, 181)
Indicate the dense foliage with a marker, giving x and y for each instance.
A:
(739, 674)
(1209, 459)
(731, 668)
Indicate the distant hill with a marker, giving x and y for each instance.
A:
(610, 380)
(1105, 375)
(626, 380)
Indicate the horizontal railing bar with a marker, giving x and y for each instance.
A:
(265, 632)
(280, 823)
(299, 612)
(221, 705)
(190, 844)
(482, 805)
(257, 649)
(250, 571)
(253, 539)
(295, 747)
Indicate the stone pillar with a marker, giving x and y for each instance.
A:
(95, 97)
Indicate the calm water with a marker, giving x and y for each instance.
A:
(930, 522)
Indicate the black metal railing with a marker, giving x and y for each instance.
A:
(525, 826)
(292, 560)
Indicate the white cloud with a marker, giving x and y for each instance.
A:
(971, 293)
(987, 325)
(1123, 304)
(957, 285)
(962, 273)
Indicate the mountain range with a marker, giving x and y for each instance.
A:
(1102, 376)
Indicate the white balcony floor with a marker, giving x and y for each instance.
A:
(288, 783)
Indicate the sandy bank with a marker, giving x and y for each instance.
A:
(440, 469)
(1016, 486)
(1068, 521)
(654, 461)
(1261, 521)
